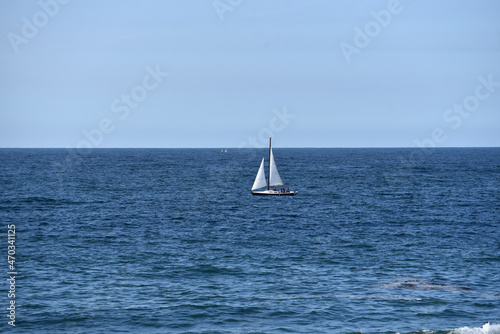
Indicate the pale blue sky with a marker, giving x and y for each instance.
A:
(229, 68)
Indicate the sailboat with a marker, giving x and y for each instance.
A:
(274, 180)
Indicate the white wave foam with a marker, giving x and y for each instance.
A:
(486, 329)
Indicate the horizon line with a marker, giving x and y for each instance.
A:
(260, 147)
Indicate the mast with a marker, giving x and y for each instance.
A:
(268, 183)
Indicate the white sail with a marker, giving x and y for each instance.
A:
(260, 180)
(274, 176)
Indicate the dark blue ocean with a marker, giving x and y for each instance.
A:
(172, 241)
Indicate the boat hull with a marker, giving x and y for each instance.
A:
(273, 193)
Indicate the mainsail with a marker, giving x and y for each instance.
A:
(260, 180)
(274, 179)
(274, 176)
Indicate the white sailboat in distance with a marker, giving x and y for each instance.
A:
(274, 180)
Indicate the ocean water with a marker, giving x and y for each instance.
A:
(171, 241)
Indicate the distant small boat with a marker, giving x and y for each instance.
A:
(274, 180)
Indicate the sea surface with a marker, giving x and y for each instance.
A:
(172, 241)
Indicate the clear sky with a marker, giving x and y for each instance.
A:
(205, 73)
